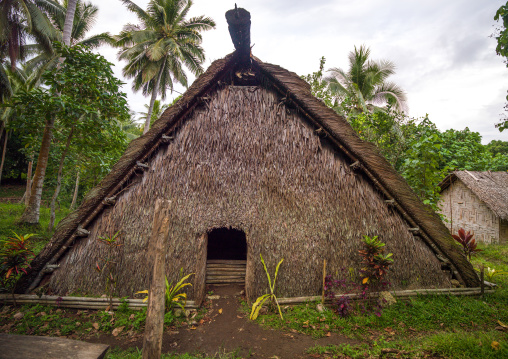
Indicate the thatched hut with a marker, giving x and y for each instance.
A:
(252, 164)
(477, 202)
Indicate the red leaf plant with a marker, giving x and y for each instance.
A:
(467, 242)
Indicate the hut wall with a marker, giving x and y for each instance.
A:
(245, 160)
(463, 209)
(503, 231)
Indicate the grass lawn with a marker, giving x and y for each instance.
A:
(443, 326)
(425, 326)
(10, 214)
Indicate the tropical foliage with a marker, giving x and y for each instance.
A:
(15, 255)
(502, 48)
(365, 84)
(416, 148)
(172, 295)
(158, 49)
(469, 245)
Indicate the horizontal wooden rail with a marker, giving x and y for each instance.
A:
(399, 294)
(138, 304)
(78, 302)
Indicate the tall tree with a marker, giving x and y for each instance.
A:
(18, 81)
(69, 21)
(157, 110)
(365, 82)
(85, 16)
(156, 49)
(502, 49)
(22, 19)
(31, 212)
(84, 96)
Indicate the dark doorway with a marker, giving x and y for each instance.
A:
(224, 243)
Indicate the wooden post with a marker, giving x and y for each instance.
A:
(324, 279)
(482, 281)
(238, 20)
(152, 343)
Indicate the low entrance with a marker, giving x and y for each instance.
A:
(226, 257)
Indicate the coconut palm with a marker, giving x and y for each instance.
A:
(18, 81)
(31, 212)
(365, 82)
(85, 16)
(157, 110)
(21, 20)
(156, 49)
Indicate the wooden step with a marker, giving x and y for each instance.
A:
(225, 261)
(226, 266)
(221, 271)
(225, 281)
(218, 265)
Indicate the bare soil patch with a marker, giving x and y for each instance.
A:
(229, 330)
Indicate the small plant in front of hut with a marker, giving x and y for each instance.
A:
(108, 264)
(373, 274)
(343, 304)
(15, 256)
(372, 281)
(376, 263)
(172, 296)
(490, 273)
(467, 242)
(258, 304)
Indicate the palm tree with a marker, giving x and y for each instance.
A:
(18, 81)
(365, 82)
(85, 16)
(21, 20)
(157, 110)
(156, 49)
(31, 213)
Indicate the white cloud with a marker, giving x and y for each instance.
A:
(445, 58)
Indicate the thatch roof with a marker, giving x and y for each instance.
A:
(327, 123)
(490, 187)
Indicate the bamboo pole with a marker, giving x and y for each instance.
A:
(324, 279)
(137, 304)
(152, 343)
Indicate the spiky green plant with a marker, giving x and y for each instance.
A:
(172, 296)
(258, 304)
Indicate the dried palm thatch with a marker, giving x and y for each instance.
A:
(270, 160)
(490, 187)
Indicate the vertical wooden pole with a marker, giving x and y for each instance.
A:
(324, 279)
(482, 277)
(152, 343)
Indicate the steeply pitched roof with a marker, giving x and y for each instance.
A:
(490, 187)
(296, 93)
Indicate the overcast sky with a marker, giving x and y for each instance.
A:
(445, 57)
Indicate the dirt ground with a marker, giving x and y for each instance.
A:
(230, 330)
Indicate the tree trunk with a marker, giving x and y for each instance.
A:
(69, 19)
(152, 343)
(31, 213)
(28, 182)
(152, 101)
(3, 154)
(59, 181)
(76, 187)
